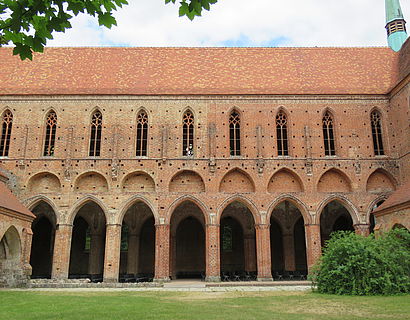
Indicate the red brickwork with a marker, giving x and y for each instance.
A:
(210, 179)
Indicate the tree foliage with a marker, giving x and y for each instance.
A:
(28, 24)
(356, 265)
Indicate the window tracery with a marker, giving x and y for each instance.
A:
(50, 136)
(282, 134)
(235, 134)
(142, 134)
(376, 123)
(6, 126)
(188, 134)
(95, 137)
(328, 134)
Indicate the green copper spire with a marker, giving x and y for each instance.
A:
(395, 25)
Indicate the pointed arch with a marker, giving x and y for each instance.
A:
(188, 133)
(282, 124)
(10, 245)
(285, 180)
(186, 181)
(346, 203)
(187, 198)
(236, 181)
(142, 133)
(245, 201)
(377, 132)
(5, 134)
(50, 133)
(95, 133)
(91, 182)
(32, 202)
(44, 182)
(138, 181)
(328, 125)
(83, 201)
(304, 211)
(334, 180)
(235, 132)
(380, 180)
(130, 202)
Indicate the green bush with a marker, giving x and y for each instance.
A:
(357, 265)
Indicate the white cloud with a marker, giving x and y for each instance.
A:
(240, 23)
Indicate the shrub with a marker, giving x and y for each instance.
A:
(357, 265)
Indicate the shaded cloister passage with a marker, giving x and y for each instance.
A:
(137, 260)
(10, 252)
(334, 217)
(237, 240)
(287, 239)
(372, 219)
(42, 247)
(187, 249)
(88, 243)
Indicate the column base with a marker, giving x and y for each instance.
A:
(110, 280)
(212, 279)
(164, 279)
(264, 279)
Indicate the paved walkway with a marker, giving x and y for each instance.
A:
(194, 285)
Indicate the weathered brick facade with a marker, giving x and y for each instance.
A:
(213, 212)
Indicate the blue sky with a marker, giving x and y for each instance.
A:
(239, 23)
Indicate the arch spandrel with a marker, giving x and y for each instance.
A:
(285, 180)
(380, 181)
(187, 181)
(334, 180)
(44, 182)
(236, 181)
(91, 182)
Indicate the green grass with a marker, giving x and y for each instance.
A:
(197, 305)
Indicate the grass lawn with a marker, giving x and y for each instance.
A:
(197, 305)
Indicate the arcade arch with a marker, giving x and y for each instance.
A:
(287, 236)
(88, 242)
(237, 240)
(42, 246)
(334, 217)
(187, 241)
(137, 257)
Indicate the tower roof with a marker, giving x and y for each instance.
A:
(393, 11)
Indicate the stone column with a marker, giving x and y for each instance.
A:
(249, 252)
(26, 251)
(313, 244)
(263, 252)
(289, 251)
(112, 253)
(362, 229)
(162, 252)
(213, 266)
(96, 253)
(133, 253)
(61, 254)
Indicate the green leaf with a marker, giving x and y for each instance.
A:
(24, 51)
(107, 20)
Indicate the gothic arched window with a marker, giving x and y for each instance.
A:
(235, 134)
(50, 138)
(95, 137)
(376, 122)
(6, 124)
(188, 134)
(282, 134)
(142, 134)
(328, 134)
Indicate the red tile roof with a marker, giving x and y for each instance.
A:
(10, 202)
(185, 71)
(400, 196)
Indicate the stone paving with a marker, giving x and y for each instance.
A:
(176, 285)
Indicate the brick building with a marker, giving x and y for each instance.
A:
(190, 162)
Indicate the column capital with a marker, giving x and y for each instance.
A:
(212, 225)
(262, 226)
